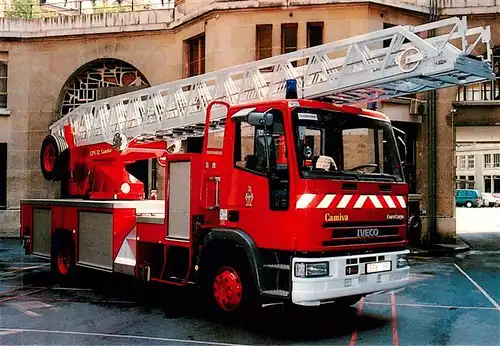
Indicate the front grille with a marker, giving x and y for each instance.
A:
(354, 235)
(361, 241)
(353, 232)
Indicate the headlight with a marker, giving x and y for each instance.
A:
(402, 261)
(311, 269)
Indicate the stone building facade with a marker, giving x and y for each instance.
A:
(53, 64)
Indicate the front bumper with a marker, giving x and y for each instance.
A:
(310, 291)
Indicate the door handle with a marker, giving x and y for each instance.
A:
(217, 181)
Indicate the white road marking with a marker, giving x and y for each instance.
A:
(7, 332)
(3, 300)
(123, 336)
(434, 306)
(26, 268)
(71, 289)
(10, 271)
(26, 306)
(492, 301)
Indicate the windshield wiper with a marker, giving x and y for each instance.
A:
(384, 175)
(321, 172)
(353, 174)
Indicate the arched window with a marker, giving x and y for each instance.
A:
(100, 79)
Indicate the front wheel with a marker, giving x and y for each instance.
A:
(229, 288)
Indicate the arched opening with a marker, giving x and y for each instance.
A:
(100, 79)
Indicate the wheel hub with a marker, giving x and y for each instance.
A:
(49, 158)
(228, 289)
(63, 260)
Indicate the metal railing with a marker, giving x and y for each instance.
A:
(487, 91)
(31, 9)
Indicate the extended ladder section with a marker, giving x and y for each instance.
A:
(351, 71)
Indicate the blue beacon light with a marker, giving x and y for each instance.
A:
(291, 89)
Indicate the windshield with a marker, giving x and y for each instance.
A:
(337, 145)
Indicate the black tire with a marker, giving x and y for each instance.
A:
(54, 158)
(236, 264)
(468, 204)
(63, 261)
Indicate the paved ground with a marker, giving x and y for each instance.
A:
(450, 301)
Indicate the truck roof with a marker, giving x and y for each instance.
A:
(321, 105)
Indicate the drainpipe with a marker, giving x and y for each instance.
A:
(432, 166)
(432, 152)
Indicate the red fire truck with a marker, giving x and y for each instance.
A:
(282, 189)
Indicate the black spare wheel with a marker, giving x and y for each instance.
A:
(54, 157)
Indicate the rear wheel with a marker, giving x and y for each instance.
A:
(63, 264)
(468, 204)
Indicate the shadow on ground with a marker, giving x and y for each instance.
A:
(280, 322)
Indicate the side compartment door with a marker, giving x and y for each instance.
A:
(179, 200)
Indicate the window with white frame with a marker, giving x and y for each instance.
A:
(461, 161)
(470, 161)
(496, 160)
(487, 160)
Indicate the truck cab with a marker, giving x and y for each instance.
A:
(319, 192)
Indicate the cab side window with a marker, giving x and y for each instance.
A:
(250, 146)
(245, 153)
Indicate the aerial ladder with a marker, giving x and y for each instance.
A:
(351, 71)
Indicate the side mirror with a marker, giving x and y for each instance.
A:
(401, 143)
(259, 119)
(402, 148)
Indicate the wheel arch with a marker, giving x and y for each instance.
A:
(62, 234)
(225, 239)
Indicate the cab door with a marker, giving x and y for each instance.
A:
(258, 195)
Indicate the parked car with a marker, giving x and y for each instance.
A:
(489, 200)
(468, 197)
(496, 196)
